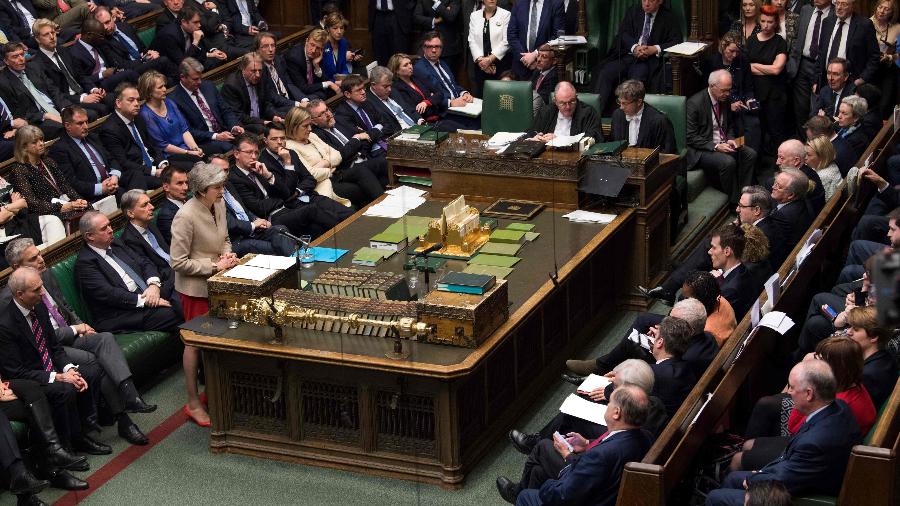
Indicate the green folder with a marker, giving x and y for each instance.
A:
(494, 260)
(501, 248)
(490, 270)
(606, 148)
(531, 236)
(508, 236)
(524, 227)
(416, 226)
(389, 236)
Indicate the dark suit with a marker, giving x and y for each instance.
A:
(802, 69)
(450, 89)
(77, 168)
(550, 22)
(296, 68)
(171, 42)
(127, 154)
(281, 66)
(674, 379)
(655, 130)
(83, 64)
(826, 98)
(136, 242)
(246, 239)
(813, 462)
(791, 221)
(275, 204)
(23, 105)
(224, 116)
(741, 289)
(771, 230)
(815, 199)
(548, 83)
(390, 29)
(450, 27)
(593, 478)
(731, 172)
(115, 307)
(14, 25)
(351, 123)
(620, 64)
(408, 97)
(164, 217)
(234, 14)
(125, 57)
(700, 352)
(879, 376)
(55, 75)
(584, 120)
(237, 98)
(391, 121)
(861, 49)
(356, 181)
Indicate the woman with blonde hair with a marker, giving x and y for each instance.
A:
(820, 156)
(40, 190)
(310, 148)
(748, 25)
(337, 58)
(165, 123)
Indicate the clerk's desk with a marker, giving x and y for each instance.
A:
(552, 178)
(336, 401)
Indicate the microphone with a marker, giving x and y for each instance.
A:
(288, 235)
(431, 249)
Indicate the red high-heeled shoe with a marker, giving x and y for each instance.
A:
(187, 411)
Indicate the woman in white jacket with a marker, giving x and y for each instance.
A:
(487, 41)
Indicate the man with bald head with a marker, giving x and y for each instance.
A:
(816, 456)
(566, 115)
(711, 133)
(792, 154)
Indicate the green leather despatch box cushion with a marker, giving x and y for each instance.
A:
(507, 107)
(674, 109)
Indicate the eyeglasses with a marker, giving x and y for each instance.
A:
(625, 102)
(567, 102)
(326, 112)
(742, 206)
(249, 152)
(433, 46)
(778, 186)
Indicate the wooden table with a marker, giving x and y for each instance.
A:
(335, 400)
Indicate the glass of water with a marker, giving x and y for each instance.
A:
(306, 256)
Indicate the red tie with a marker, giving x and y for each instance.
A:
(596, 441)
(38, 332)
(540, 79)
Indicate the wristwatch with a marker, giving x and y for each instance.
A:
(155, 283)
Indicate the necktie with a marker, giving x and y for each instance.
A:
(73, 84)
(532, 25)
(814, 43)
(54, 312)
(255, 178)
(645, 33)
(5, 113)
(254, 101)
(596, 441)
(718, 114)
(540, 79)
(132, 49)
(309, 72)
(155, 245)
(141, 284)
(836, 44)
(63, 6)
(38, 332)
(206, 112)
(95, 159)
(445, 80)
(235, 206)
(366, 121)
(398, 111)
(96, 56)
(40, 99)
(137, 138)
(384, 5)
(245, 12)
(341, 137)
(279, 86)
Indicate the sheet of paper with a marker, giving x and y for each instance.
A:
(589, 217)
(504, 138)
(247, 272)
(568, 40)
(754, 313)
(777, 321)
(565, 140)
(6, 239)
(773, 288)
(472, 109)
(642, 340)
(584, 409)
(406, 191)
(687, 48)
(271, 262)
(593, 382)
(106, 205)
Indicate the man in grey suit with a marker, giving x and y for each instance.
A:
(801, 65)
(81, 340)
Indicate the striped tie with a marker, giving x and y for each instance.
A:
(38, 332)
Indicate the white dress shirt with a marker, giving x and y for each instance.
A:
(842, 47)
(563, 125)
(634, 126)
(129, 283)
(812, 26)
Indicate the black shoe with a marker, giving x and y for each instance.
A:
(137, 405)
(131, 433)
(64, 480)
(59, 457)
(88, 426)
(29, 500)
(26, 484)
(572, 378)
(84, 444)
(508, 490)
(523, 442)
(657, 293)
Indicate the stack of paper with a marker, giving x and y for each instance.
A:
(249, 272)
(562, 141)
(472, 109)
(687, 48)
(642, 340)
(589, 217)
(586, 410)
(274, 262)
(406, 191)
(593, 382)
(778, 321)
(568, 40)
(395, 206)
(501, 139)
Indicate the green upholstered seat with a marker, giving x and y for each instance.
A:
(147, 35)
(591, 99)
(674, 108)
(64, 273)
(516, 112)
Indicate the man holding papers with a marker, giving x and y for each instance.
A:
(566, 116)
(591, 470)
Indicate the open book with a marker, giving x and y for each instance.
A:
(472, 109)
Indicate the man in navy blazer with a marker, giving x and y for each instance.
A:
(398, 117)
(214, 127)
(839, 86)
(816, 456)
(130, 297)
(355, 114)
(83, 159)
(593, 469)
(143, 236)
(175, 187)
(255, 110)
(172, 40)
(551, 21)
(858, 40)
(738, 286)
(93, 40)
(16, 25)
(791, 215)
(439, 76)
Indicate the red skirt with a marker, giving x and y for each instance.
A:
(193, 306)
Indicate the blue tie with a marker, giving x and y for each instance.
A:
(155, 245)
(132, 49)
(137, 138)
(142, 285)
(235, 206)
(397, 110)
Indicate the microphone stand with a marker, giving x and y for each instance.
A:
(298, 261)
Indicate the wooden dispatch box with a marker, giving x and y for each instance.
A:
(462, 319)
(226, 292)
